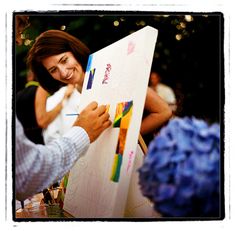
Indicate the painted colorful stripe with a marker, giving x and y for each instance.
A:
(121, 110)
(122, 120)
(116, 167)
(89, 63)
(91, 78)
(121, 141)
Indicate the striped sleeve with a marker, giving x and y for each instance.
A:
(38, 166)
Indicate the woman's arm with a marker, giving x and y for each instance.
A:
(159, 112)
(43, 117)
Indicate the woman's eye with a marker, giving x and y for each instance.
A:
(53, 70)
(64, 60)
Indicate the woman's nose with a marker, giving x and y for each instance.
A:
(63, 72)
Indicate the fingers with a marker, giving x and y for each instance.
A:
(92, 106)
(106, 124)
(104, 117)
(97, 109)
(100, 110)
(94, 119)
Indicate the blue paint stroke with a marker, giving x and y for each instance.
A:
(89, 63)
(91, 77)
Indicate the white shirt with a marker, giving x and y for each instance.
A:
(166, 93)
(64, 121)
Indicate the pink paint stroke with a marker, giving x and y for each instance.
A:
(131, 47)
(131, 156)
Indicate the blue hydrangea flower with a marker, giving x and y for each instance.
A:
(181, 172)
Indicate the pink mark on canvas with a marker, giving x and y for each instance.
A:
(131, 47)
(131, 156)
(107, 74)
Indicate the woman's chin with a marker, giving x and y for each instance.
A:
(72, 81)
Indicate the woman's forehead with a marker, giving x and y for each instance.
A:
(54, 59)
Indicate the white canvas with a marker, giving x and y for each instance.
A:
(121, 75)
(137, 205)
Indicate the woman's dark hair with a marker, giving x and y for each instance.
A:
(53, 42)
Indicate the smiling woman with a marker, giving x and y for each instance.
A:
(57, 58)
(65, 68)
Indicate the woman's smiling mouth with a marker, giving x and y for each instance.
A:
(68, 77)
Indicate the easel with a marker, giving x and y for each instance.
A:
(142, 144)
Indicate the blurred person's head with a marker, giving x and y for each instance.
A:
(30, 76)
(154, 79)
(58, 58)
(21, 23)
(164, 91)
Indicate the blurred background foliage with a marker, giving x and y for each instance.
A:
(188, 53)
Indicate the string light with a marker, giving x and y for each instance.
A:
(63, 27)
(178, 27)
(188, 18)
(141, 23)
(116, 23)
(178, 37)
(27, 42)
(183, 25)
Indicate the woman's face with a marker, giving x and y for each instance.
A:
(65, 68)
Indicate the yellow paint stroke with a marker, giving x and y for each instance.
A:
(122, 120)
